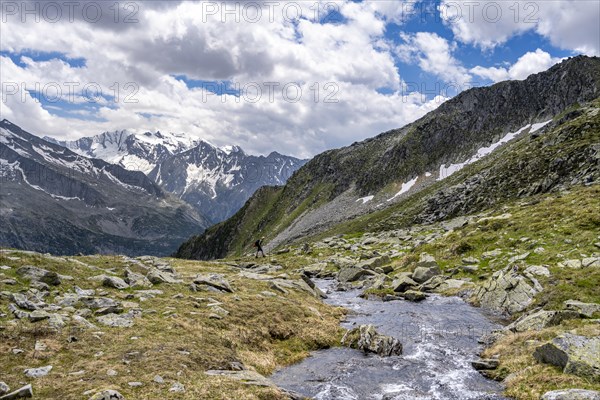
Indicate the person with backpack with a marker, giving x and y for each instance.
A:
(258, 245)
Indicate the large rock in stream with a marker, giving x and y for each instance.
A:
(367, 339)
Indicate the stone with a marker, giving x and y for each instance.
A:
(18, 313)
(39, 274)
(157, 276)
(107, 395)
(403, 283)
(135, 384)
(111, 372)
(82, 322)
(313, 270)
(367, 339)
(423, 274)
(4, 388)
(449, 284)
(584, 309)
(177, 388)
(375, 262)
(246, 376)
(590, 262)
(219, 310)
(538, 320)
(506, 291)
(433, 283)
(577, 355)
(114, 282)
(470, 261)
(96, 303)
(571, 394)
(22, 301)
(352, 274)
(414, 295)
(575, 264)
(485, 364)
(469, 268)
(158, 379)
(518, 257)
(538, 270)
(22, 393)
(38, 372)
(116, 320)
(491, 254)
(216, 281)
(137, 281)
(56, 321)
(38, 315)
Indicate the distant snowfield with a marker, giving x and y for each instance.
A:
(406, 186)
(365, 199)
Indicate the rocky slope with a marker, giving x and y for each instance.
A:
(382, 173)
(216, 182)
(54, 200)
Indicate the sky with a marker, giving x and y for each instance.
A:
(297, 77)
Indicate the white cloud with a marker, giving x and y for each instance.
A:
(433, 53)
(529, 63)
(569, 24)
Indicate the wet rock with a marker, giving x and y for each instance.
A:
(541, 319)
(584, 309)
(23, 393)
(485, 364)
(39, 274)
(38, 372)
(114, 282)
(577, 355)
(216, 281)
(414, 295)
(506, 291)
(352, 274)
(571, 394)
(403, 282)
(367, 339)
(107, 395)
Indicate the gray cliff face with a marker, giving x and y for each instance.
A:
(54, 200)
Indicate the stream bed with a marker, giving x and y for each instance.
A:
(439, 337)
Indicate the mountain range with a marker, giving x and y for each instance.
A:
(55, 200)
(215, 181)
(486, 145)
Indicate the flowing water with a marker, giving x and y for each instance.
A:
(439, 336)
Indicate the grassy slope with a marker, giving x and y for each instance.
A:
(263, 333)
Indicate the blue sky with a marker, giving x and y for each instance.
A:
(362, 68)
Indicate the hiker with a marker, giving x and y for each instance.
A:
(258, 245)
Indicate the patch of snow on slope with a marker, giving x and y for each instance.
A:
(446, 171)
(365, 199)
(405, 188)
(537, 127)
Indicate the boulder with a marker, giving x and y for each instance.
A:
(584, 309)
(351, 274)
(506, 291)
(114, 282)
(137, 281)
(450, 284)
(216, 281)
(403, 282)
(366, 338)
(22, 301)
(38, 372)
(577, 355)
(314, 269)
(157, 276)
(116, 320)
(541, 319)
(96, 303)
(22, 393)
(432, 283)
(571, 394)
(107, 395)
(38, 274)
(538, 270)
(413, 295)
(575, 264)
(426, 268)
(375, 262)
